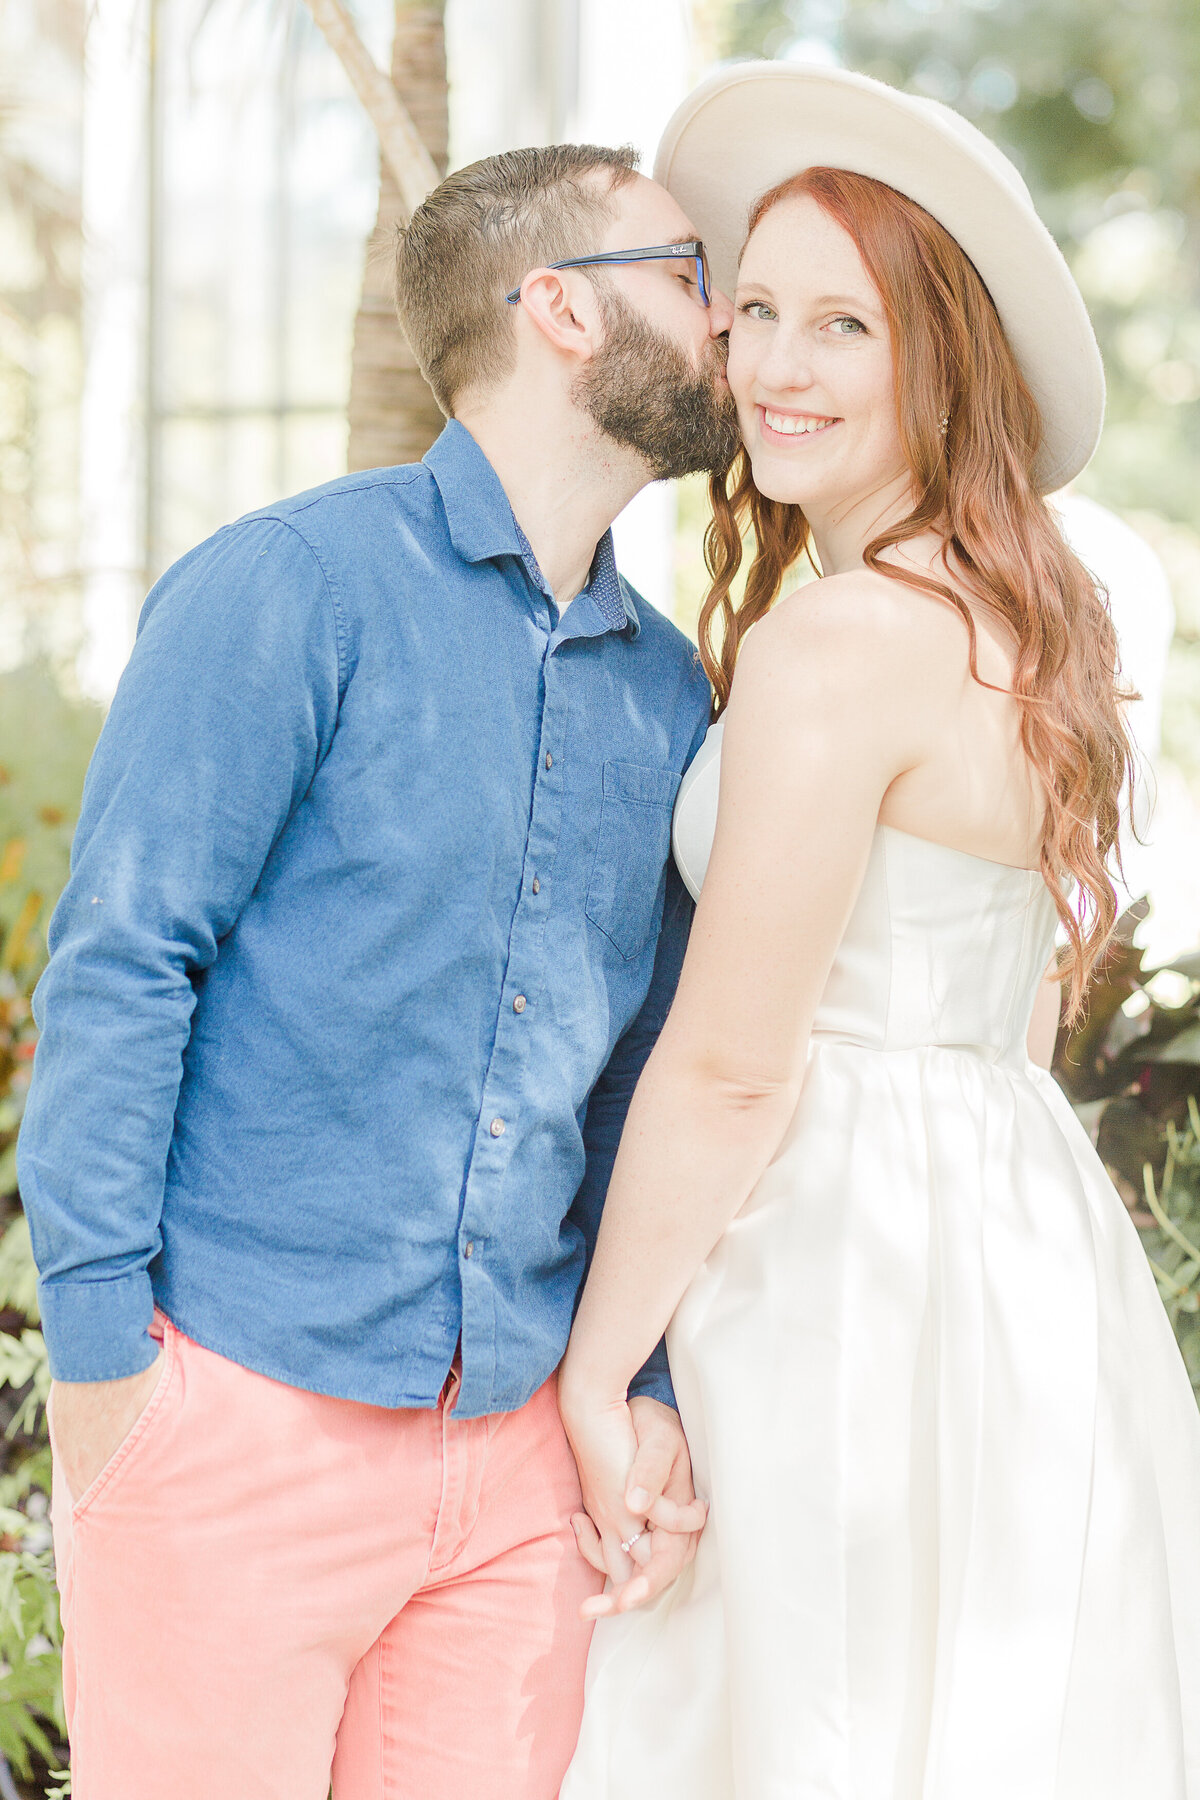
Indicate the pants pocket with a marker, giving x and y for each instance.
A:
(134, 1439)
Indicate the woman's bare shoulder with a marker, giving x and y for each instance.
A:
(863, 627)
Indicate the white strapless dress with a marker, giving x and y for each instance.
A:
(952, 1454)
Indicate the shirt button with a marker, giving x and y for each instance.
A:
(537, 886)
(497, 1127)
(468, 1249)
(519, 1003)
(549, 760)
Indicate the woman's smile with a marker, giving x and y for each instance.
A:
(776, 425)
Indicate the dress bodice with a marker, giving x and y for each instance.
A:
(942, 947)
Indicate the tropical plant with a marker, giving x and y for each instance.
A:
(1174, 1246)
(32, 1726)
(45, 740)
(392, 413)
(1132, 1070)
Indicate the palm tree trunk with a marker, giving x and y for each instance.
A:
(393, 416)
(404, 152)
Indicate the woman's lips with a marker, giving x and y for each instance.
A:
(793, 428)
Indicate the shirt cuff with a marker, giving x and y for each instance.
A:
(98, 1330)
(653, 1379)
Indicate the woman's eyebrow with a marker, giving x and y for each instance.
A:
(854, 301)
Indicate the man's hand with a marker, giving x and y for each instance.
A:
(92, 1419)
(659, 1490)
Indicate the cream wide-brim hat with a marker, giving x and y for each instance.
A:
(754, 124)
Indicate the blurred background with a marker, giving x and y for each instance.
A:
(194, 320)
(194, 316)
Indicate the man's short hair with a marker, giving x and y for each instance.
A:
(476, 237)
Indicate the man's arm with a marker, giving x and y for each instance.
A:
(219, 724)
(660, 1486)
(609, 1102)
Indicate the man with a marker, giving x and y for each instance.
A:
(369, 932)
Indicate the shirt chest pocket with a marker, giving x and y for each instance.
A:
(632, 847)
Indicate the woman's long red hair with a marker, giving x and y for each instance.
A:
(974, 484)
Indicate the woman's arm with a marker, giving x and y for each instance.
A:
(822, 720)
(1043, 1026)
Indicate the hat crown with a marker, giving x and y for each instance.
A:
(971, 138)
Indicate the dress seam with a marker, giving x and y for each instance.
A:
(891, 946)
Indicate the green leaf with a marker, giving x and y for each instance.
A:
(1184, 1047)
(18, 1271)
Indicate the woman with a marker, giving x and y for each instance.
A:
(952, 1455)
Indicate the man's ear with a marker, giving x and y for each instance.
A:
(564, 309)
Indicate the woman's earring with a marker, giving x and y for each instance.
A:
(944, 423)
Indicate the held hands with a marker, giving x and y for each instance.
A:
(92, 1419)
(636, 1476)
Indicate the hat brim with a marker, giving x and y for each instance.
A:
(753, 125)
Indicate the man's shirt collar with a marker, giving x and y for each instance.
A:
(611, 595)
(482, 525)
(478, 514)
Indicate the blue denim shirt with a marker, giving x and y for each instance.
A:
(370, 928)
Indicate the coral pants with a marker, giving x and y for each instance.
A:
(265, 1587)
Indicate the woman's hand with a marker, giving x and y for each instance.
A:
(656, 1496)
(604, 1442)
(660, 1487)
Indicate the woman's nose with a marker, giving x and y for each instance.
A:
(784, 366)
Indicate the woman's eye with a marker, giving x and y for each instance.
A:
(856, 328)
(756, 309)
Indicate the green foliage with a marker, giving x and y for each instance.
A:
(24, 1365)
(18, 1277)
(45, 741)
(31, 1715)
(32, 1726)
(1132, 1069)
(1174, 1248)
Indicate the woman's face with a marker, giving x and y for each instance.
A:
(810, 364)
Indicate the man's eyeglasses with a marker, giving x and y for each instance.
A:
(691, 251)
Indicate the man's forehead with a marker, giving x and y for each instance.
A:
(644, 213)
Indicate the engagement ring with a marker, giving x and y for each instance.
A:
(633, 1540)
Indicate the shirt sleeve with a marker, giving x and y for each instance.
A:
(221, 720)
(609, 1101)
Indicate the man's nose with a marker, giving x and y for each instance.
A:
(720, 313)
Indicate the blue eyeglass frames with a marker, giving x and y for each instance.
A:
(692, 249)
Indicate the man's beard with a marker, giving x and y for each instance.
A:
(645, 392)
